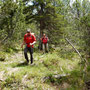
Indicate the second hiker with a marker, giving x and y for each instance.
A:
(44, 41)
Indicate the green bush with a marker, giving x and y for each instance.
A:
(88, 68)
(76, 79)
(2, 56)
(9, 50)
(10, 80)
(56, 81)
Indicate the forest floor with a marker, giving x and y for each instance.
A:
(49, 72)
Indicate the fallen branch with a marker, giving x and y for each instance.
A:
(58, 76)
(83, 59)
(74, 48)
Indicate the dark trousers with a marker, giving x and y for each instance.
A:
(30, 49)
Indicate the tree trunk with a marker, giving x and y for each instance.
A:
(41, 27)
(41, 34)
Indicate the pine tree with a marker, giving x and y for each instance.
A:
(44, 13)
(11, 20)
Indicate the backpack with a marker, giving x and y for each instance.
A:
(45, 40)
(28, 38)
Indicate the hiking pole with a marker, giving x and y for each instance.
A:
(22, 52)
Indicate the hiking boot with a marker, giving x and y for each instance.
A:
(27, 62)
(32, 64)
(46, 51)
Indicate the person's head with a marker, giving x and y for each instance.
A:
(28, 30)
(44, 35)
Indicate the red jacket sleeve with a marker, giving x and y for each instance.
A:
(34, 38)
(25, 37)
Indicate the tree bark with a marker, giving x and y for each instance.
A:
(41, 27)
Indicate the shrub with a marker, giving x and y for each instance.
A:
(2, 56)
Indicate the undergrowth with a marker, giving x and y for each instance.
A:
(41, 75)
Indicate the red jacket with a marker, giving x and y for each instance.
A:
(29, 38)
(44, 40)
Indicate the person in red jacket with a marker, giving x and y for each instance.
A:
(44, 41)
(29, 41)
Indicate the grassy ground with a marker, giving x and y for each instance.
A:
(15, 74)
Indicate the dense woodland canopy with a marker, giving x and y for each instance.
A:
(59, 19)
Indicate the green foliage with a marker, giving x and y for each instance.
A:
(46, 65)
(58, 19)
(56, 81)
(88, 68)
(8, 83)
(85, 22)
(11, 21)
(2, 56)
(11, 49)
(44, 13)
(76, 79)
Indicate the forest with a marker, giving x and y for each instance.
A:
(66, 23)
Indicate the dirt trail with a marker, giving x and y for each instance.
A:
(2, 75)
(14, 58)
(12, 66)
